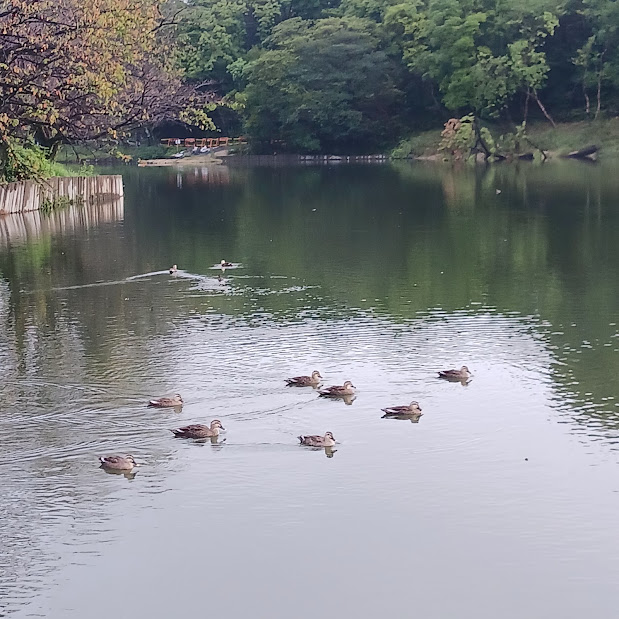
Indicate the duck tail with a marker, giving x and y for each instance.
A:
(300, 439)
(102, 459)
(176, 432)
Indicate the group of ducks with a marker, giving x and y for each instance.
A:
(327, 441)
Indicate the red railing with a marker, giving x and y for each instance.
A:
(202, 142)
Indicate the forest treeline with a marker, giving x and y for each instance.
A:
(337, 76)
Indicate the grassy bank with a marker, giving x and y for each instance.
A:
(563, 138)
(29, 162)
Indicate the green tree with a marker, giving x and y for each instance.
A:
(598, 58)
(215, 35)
(478, 53)
(323, 85)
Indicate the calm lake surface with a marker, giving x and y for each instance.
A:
(500, 503)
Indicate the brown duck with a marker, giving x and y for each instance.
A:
(339, 391)
(118, 463)
(412, 410)
(315, 440)
(462, 374)
(305, 381)
(167, 402)
(197, 430)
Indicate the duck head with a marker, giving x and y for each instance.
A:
(329, 440)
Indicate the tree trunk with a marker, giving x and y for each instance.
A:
(479, 141)
(584, 92)
(583, 153)
(541, 107)
(599, 96)
(526, 107)
(53, 151)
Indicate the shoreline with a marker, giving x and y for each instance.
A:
(191, 160)
(207, 160)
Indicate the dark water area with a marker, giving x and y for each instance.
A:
(500, 501)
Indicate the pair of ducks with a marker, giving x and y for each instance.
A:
(196, 430)
(335, 391)
(223, 264)
(349, 389)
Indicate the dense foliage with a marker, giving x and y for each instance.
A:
(331, 75)
(334, 76)
(73, 70)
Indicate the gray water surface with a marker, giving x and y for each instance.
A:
(501, 502)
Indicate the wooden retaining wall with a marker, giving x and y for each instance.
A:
(16, 228)
(30, 195)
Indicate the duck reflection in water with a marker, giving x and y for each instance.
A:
(125, 474)
(215, 441)
(347, 399)
(413, 418)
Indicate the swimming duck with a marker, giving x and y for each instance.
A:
(223, 263)
(197, 430)
(339, 391)
(305, 381)
(118, 463)
(460, 375)
(167, 402)
(316, 440)
(173, 269)
(413, 409)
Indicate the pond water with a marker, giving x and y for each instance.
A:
(501, 502)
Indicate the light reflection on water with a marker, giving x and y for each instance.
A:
(505, 484)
